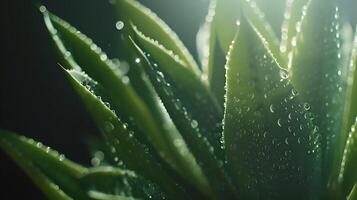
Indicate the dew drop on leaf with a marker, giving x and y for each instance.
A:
(272, 109)
(119, 25)
(194, 124)
(108, 126)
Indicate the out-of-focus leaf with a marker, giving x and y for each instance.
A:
(348, 176)
(52, 173)
(353, 194)
(318, 72)
(61, 179)
(193, 93)
(272, 145)
(95, 195)
(150, 125)
(154, 27)
(291, 25)
(134, 155)
(197, 142)
(115, 181)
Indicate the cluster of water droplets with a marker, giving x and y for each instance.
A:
(350, 144)
(178, 107)
(114, 65)
(278, 136)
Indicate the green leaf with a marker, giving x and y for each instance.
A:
(348, 177)
(193, 93)
(318, 72)
(114, 181)
(95, 195)
(272, 145)
(149, 124)
(49, 170)
(221, 20)
(353, 194)
(123, 142)
(198, 143)
(291, 25)
(223, 29)
(154, 27)
(256, 17)
(351, 93)
(62, 179)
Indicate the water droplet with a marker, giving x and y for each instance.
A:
(286, 141)
(108, 126)
(272, 109)
(137, 60)
(294, 92)
(306, 106)
(119, 25)
(194, 124)
(43, 9)
(61, 157)
(95, 161)
(284, 74)
(279, 122)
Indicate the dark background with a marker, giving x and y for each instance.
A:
(36, 100)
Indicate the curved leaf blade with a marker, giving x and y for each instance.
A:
(353, 194)
(39, 163)
(320, 75)
(222, 18)
(272, 145)
(197, 142)
(347, 176)
(152, 126)
(122, 140)
(151, 24)
(257, 18)
(193, 93)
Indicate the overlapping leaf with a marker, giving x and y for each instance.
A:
(191, 132)
(272, 145)
(151, 127)
(62, 179)
(129, 150)
(154, 27)
(191, 91)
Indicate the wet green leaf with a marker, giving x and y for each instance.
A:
(193, 93)
(197, 142)
(131, 152)
(221, 20)
(318, 72)
(257, 18)
(272, 145)
(353, 194)
(150, 125)
(351, 93)
(348, 176)
(51, 172)
(154, 27)
(61, 179)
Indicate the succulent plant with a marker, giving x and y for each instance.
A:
(263, 122)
